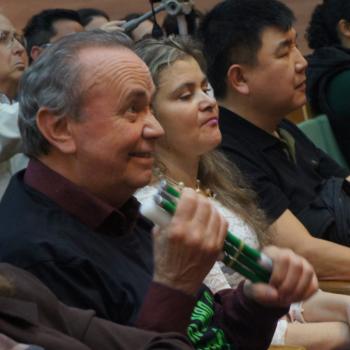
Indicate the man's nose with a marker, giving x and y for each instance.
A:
(152, 128)
(301, 62)
(17, 47)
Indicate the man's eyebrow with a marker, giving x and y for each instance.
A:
(287, 43)
(137, 93)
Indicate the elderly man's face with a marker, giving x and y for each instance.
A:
(115, 138)
(13, 59)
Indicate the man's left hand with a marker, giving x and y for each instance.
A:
(293, 279)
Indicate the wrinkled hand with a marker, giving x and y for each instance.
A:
(187, 249)
(293, 279)
(112, 26)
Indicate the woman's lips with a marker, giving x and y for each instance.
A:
(141, 154)
(212, 121)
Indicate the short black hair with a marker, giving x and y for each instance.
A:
(87, 14)
(231, 33)
(322, 29)
(39, 29)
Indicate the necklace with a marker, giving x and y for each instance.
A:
(180, 185)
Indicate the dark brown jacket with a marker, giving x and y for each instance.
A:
(33, 315)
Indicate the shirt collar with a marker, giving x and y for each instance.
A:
(83, 205)
(233, 124)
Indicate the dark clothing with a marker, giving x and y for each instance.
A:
(106, 262)
(326, 64)
(34, 315)
(285, 175)
(333, 202)
(98, 264)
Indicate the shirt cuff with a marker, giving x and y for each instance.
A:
(165, 309)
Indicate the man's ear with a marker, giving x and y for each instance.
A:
(344, 28)
(236, 79)
(56, 130)
(35, 51)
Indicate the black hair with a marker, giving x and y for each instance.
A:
(87, 14)
(39, 29)
(231, 33)
(170, 24)
(322, 29)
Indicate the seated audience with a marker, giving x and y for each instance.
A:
(13, 62)
(91, 138)
(47, 27)
(328, 73)
(186, 157)
(258, 77)
(91, 18)
(30, 313)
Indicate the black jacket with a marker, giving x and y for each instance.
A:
(324, 65)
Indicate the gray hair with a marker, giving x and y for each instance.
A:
(161, 53)
(53, 81)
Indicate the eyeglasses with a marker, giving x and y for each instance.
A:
(8, 38)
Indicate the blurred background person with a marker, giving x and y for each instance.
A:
(48, 26)
(92, 18)
(328, 73)
(13, 62)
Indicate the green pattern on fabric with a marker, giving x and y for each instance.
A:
(201, 332)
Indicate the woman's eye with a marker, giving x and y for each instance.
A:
(185, 97)
(207, 90)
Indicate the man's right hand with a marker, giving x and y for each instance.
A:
(187, 249)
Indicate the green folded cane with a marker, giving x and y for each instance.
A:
(249, 262)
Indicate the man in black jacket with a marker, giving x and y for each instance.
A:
(258, 76)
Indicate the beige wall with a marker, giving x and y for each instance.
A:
(20, 10)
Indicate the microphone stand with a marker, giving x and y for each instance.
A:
(173, 7)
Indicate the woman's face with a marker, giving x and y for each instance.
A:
(187, 113)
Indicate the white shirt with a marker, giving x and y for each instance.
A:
(11, 158)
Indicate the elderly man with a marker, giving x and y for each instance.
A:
(87, 125)
(258, 76)
(13, 61)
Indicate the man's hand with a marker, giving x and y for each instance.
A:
(293, 279)
(186, 250)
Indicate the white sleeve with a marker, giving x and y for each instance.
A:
(10, 138)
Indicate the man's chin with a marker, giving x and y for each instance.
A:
(143, 181)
